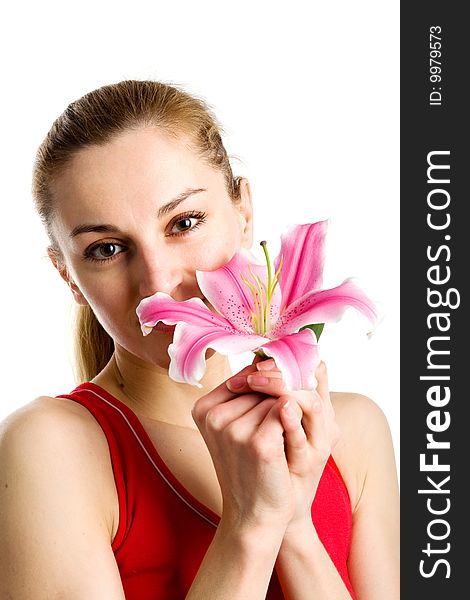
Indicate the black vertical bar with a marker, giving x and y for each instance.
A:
(434, 259)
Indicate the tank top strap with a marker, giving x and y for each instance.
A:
(121, 443)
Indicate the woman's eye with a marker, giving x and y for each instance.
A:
(105, 251)
(184, 224)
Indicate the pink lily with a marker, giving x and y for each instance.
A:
(258, 308)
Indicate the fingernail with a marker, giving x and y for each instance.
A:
(257, 380)
(266, 365)
(236, 383)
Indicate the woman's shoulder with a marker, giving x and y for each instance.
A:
(356, 412)
(364, 432)
(57, 493)
(53, 450)
(47, 419)
(54, 433)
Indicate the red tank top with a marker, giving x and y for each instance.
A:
(164, 532)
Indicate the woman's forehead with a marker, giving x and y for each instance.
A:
(136, 165)
(133, 153)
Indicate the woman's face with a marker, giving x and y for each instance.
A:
(139, 215)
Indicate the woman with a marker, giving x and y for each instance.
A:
(139, 487)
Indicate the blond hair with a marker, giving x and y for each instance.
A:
(95, 119)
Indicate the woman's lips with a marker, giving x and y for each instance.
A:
(164, 328)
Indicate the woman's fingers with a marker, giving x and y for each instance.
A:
(269, 439)
(308, 416)
(312, 408)
(328, 410)
(321, 376)
(294, 435)
(266, 378)
(221, 394)
(219, 416)
(232, 400)
(266, 382)
(247, 424)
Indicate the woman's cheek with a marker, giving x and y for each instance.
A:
(220, 250)
(110, 304)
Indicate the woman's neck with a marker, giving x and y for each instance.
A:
(149, 392)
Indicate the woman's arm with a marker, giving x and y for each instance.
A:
(374, 557)
(55, 521)
(305, 569)
(238, 564)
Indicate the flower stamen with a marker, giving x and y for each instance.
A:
(262, 294)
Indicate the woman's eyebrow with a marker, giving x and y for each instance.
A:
(162, 211)
(89, 228)
(166, 208)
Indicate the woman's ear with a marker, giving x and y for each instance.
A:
(64, 273)
(245, 207)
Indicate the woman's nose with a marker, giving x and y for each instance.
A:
(159, 274)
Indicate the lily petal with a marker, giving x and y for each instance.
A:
(162, 307)
(297, 357)
(187, 352)
(303, 255)
(225, 290)
(324, 306)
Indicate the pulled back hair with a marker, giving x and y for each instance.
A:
(94, 119)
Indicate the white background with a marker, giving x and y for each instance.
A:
(308, 93)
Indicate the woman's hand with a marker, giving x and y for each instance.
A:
(269, 448)
(311, 432)
(244, 432)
